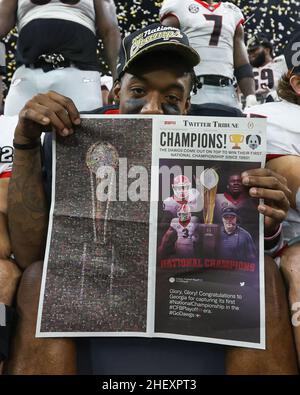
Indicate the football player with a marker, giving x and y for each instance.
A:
(183, 194)
(182, 235)
(9, 271)
(267, 70)
(236, 197)
(57, 48)
(284, 158)
(215, 31)
(147, 84)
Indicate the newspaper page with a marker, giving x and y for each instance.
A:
(152, 234)
(209, 253)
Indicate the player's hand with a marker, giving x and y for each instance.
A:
(49, 109)
(272, 187)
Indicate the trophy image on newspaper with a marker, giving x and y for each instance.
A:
(209, 231)
(102, 160)
(236, 139)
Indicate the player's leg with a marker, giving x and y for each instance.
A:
(30, 355)
(82, 86)
(290, 267)
(215, 94)
(280, 354)
(22, 89)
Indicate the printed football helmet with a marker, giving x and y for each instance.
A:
(181, 187)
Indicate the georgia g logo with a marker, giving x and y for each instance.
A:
(193, 8)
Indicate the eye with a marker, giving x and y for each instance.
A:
(173, 99)
(137, 91)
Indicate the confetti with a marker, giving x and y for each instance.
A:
(276, 18)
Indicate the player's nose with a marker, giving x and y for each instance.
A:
(153, 104)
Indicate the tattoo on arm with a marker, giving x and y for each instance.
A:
(27, 208)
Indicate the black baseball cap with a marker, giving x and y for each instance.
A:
(229, 211)
(152, 38)
(292, 54)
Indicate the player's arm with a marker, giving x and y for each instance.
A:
(167, 243)
(288, 166)
(108, 29)
(171, 20)
(9, 272)
(27, 206)
(168, 14)
(242, 68)
(8, 9)
(5, 248)
(272, 187)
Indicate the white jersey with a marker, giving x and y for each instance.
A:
(210, 30)
(283, 133)
(283, 138)
(83, 12)
(173, 206)
(186, 236)
(7, 129)
(267, 77)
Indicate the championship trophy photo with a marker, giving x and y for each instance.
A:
(209, 231)
(102, 160)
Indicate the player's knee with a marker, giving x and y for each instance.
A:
(29, 288)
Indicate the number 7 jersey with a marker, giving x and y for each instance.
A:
(210, 29)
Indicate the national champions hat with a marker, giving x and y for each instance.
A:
(152, 38)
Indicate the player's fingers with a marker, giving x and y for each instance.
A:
(37, 111)
(35, 116)
(264, 172)
(56, 108)
(68, 104)
(276, 214)
(266, 182)
(274, 197)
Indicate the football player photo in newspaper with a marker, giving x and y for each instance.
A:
(208, 262)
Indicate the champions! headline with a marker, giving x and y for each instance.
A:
(193, 140)
(207, 264)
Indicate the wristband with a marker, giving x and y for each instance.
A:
(274, 243)
(32, 145)
(278, 231)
